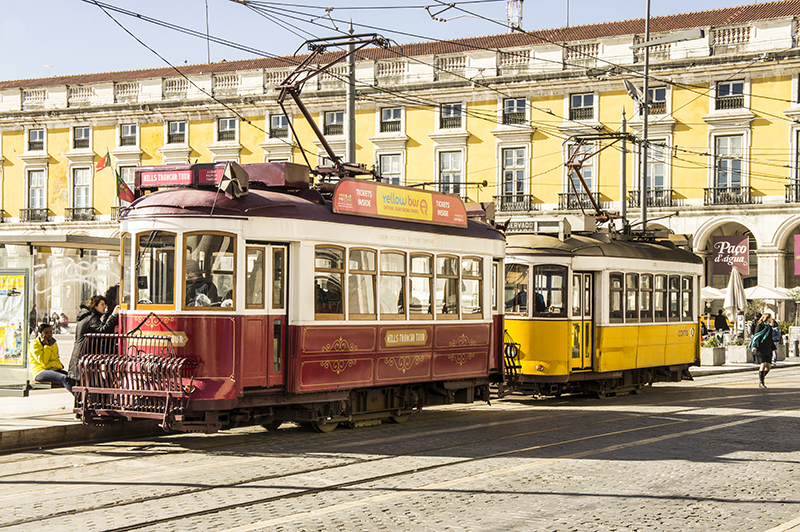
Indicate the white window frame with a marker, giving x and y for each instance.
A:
(121, 127)
(185, 133)
(27, 174)
(44, 139)
(218, 129)
(525, 169)
(324, 121)
(594, 108)
(592, 162)
(282, 117)
(401, 162)
(462, 114)
(742, 157)
(463, 174)
(502, 110)
(88, 187)
(667, 99)
(401, 119)
(73, 137)
(712, 101)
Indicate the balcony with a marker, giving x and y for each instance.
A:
(730, 102)
(33, 215)
(36, 145)
(227, 135)
(657, 197)
(581, 113)
(127, 140)
(517, 117)
(334, 129)
(79, 144)
(176, 138)
(515, 203)
(116, 212)
(728, 196)
(793, 192)
(79, 214)
(657, 108)
(390, 126)
(572, 202)
(450, 122)
(279, 132)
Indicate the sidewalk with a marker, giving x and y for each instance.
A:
(45, 418)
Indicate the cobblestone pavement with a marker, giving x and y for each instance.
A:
(714, 454)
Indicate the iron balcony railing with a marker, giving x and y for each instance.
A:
(176, 138)
(334, 129)
(80, 143)
(730, 102)
(517, 117)
(117, 211)
(657, 108)
(278, 132)
(226, 135)
(570, 201)
(727, 196)
(657, 197)
(450, 122)
(79, 214)
(793, 193)
(33, 215)
(390, 126)
(515, 203)
(36, 145)
(581, 113)
(127, 141)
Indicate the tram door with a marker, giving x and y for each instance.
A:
(265, 327)
(582, 325)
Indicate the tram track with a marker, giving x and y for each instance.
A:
(336, 486)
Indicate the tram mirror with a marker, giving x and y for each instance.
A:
(141, 282)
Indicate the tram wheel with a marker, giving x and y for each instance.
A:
(600, 394)
(400, 419)
(323, 426)
(272, 425)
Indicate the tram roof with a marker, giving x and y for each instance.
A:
(307, 205)
(597, 245)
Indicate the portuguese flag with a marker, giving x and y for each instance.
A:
(123, 190)
(103, 163)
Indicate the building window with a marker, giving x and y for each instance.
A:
(658, 100)
(450, 116)
(728, 164)
(226, 129)
(126, 173)
(581, 106)
(390, 120)
(656, 162)
(514, 111)
(390, 169)
(36, 140)
(450, 172)
(37, 189)
(177, 133)
(586, 168)
(80, 137)
(127, 135)
(730, 95)
(82, 188)
(513, 174)
(334, 123)
(278, 127)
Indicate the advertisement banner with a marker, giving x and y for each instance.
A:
(729, 252)
(378, 200)
(12, 318)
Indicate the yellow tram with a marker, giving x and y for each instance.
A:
(609, 313)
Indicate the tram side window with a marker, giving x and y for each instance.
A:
(646, 297)
(210, 266)
(328, 277)
(421, 286)
(254, 284)
(278, 275)
(446, 287)
(155, 268)
(660, 298)
(361, 284)
(127, 263)
(550, 286)
(615, 297)
(674, 298)
(392, 299)
(687, 313)
(516, 291)
(471, 277)
(631, 297)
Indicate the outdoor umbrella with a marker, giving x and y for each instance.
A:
(735, 298)
(707, 293)
(763, 292)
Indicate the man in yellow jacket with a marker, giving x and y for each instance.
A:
(43, 359)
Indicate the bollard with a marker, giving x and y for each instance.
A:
(795, 348)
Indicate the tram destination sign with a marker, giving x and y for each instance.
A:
(379, 200)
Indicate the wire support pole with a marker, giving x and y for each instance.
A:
(645, 112)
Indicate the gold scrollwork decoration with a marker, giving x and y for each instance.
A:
(461, 341)
(461, 358)
(404, 363)
(339, 345)
(337, 366)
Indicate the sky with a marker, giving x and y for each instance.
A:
(45, 38)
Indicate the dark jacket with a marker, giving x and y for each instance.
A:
(721, 323)
(89, 321)
(766, 347)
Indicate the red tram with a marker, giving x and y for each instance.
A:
(279, 304)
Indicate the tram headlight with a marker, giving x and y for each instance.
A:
(539, 367)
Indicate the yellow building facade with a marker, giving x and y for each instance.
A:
(493, 119)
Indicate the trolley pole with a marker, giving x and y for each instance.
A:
(645, 113)
(350, 142)
(623, 179)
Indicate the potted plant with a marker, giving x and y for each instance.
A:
(738, 352)
(712, 353)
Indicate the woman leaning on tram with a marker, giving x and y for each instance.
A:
(90, 320)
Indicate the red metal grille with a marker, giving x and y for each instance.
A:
(132, 376)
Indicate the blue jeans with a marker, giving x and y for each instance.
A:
(58, 376)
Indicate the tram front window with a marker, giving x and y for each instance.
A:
(550, 283)
(516, 291)
(155, 268)
(209, 262)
